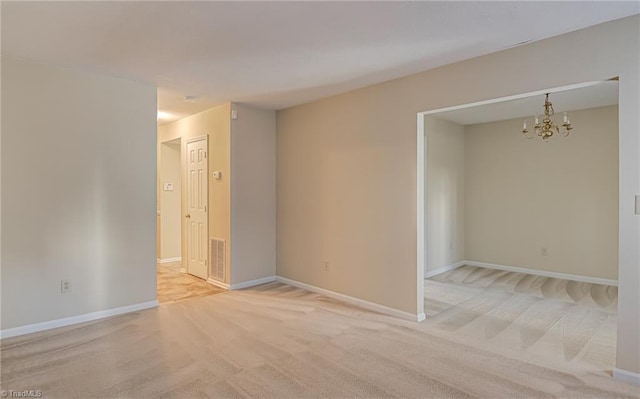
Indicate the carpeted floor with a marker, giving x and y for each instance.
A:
(174, 285)
(549, 320)
(276, 341)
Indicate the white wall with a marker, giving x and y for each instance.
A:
(445, 193)
(523, 195)
(170, 201)
(347, 168)
(253, 194)
(78, 198)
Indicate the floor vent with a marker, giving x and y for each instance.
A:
(216, 268)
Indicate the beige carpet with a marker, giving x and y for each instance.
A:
(549, 320)
(276, 341)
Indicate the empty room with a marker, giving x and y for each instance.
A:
(320, 199)
(521, 224)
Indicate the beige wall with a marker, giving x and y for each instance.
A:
(523, 195)
(253, 194)
(78, 192)
(445, 193)
(346, 173)
(215, 124)
(170, 201)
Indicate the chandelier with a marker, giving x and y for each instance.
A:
(548, 127)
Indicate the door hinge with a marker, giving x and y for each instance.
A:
(205, 154)
(205, 262)
(205, 208)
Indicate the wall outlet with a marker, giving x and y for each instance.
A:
(65, 286)
(544, 251)
(326, 266)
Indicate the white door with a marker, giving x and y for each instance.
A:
(197, 221)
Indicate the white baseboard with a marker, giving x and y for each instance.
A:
(626, 376)
(543, 273)
(443, 269)
(218, 283)
(169, 260)
(67, 321)
(252, 283)
(354, 301)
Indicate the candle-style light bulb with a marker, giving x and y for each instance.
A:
(536, 119)
(524, 125)
(566, 118)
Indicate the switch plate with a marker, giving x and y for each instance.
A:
(637, 204)
(168, 187)
(65, 286)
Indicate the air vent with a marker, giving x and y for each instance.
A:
(216, 267)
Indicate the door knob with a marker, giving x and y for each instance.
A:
(187, 216)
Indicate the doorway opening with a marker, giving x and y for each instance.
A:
(182, 221)
(517, 238)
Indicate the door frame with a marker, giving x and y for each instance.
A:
(185, 193)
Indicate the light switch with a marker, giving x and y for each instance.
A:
(637, 204)
(168, 187)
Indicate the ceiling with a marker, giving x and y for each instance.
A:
(278, 54)
(587, 95)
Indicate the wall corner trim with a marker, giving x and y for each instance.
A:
(252, 283)
(626, 376)
(67, 321)
(354, 301)
(443, 269)
(564, 276)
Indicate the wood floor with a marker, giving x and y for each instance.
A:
(174, 285)
(550, 320)
(276, 341)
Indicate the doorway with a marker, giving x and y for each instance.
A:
(518, 239)
(182, 267)
(170, 202)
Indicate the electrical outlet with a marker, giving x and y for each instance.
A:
(326, 266)
(544, 251)
(65, 286)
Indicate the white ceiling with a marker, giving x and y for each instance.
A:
(591, 95)
(278, 54)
